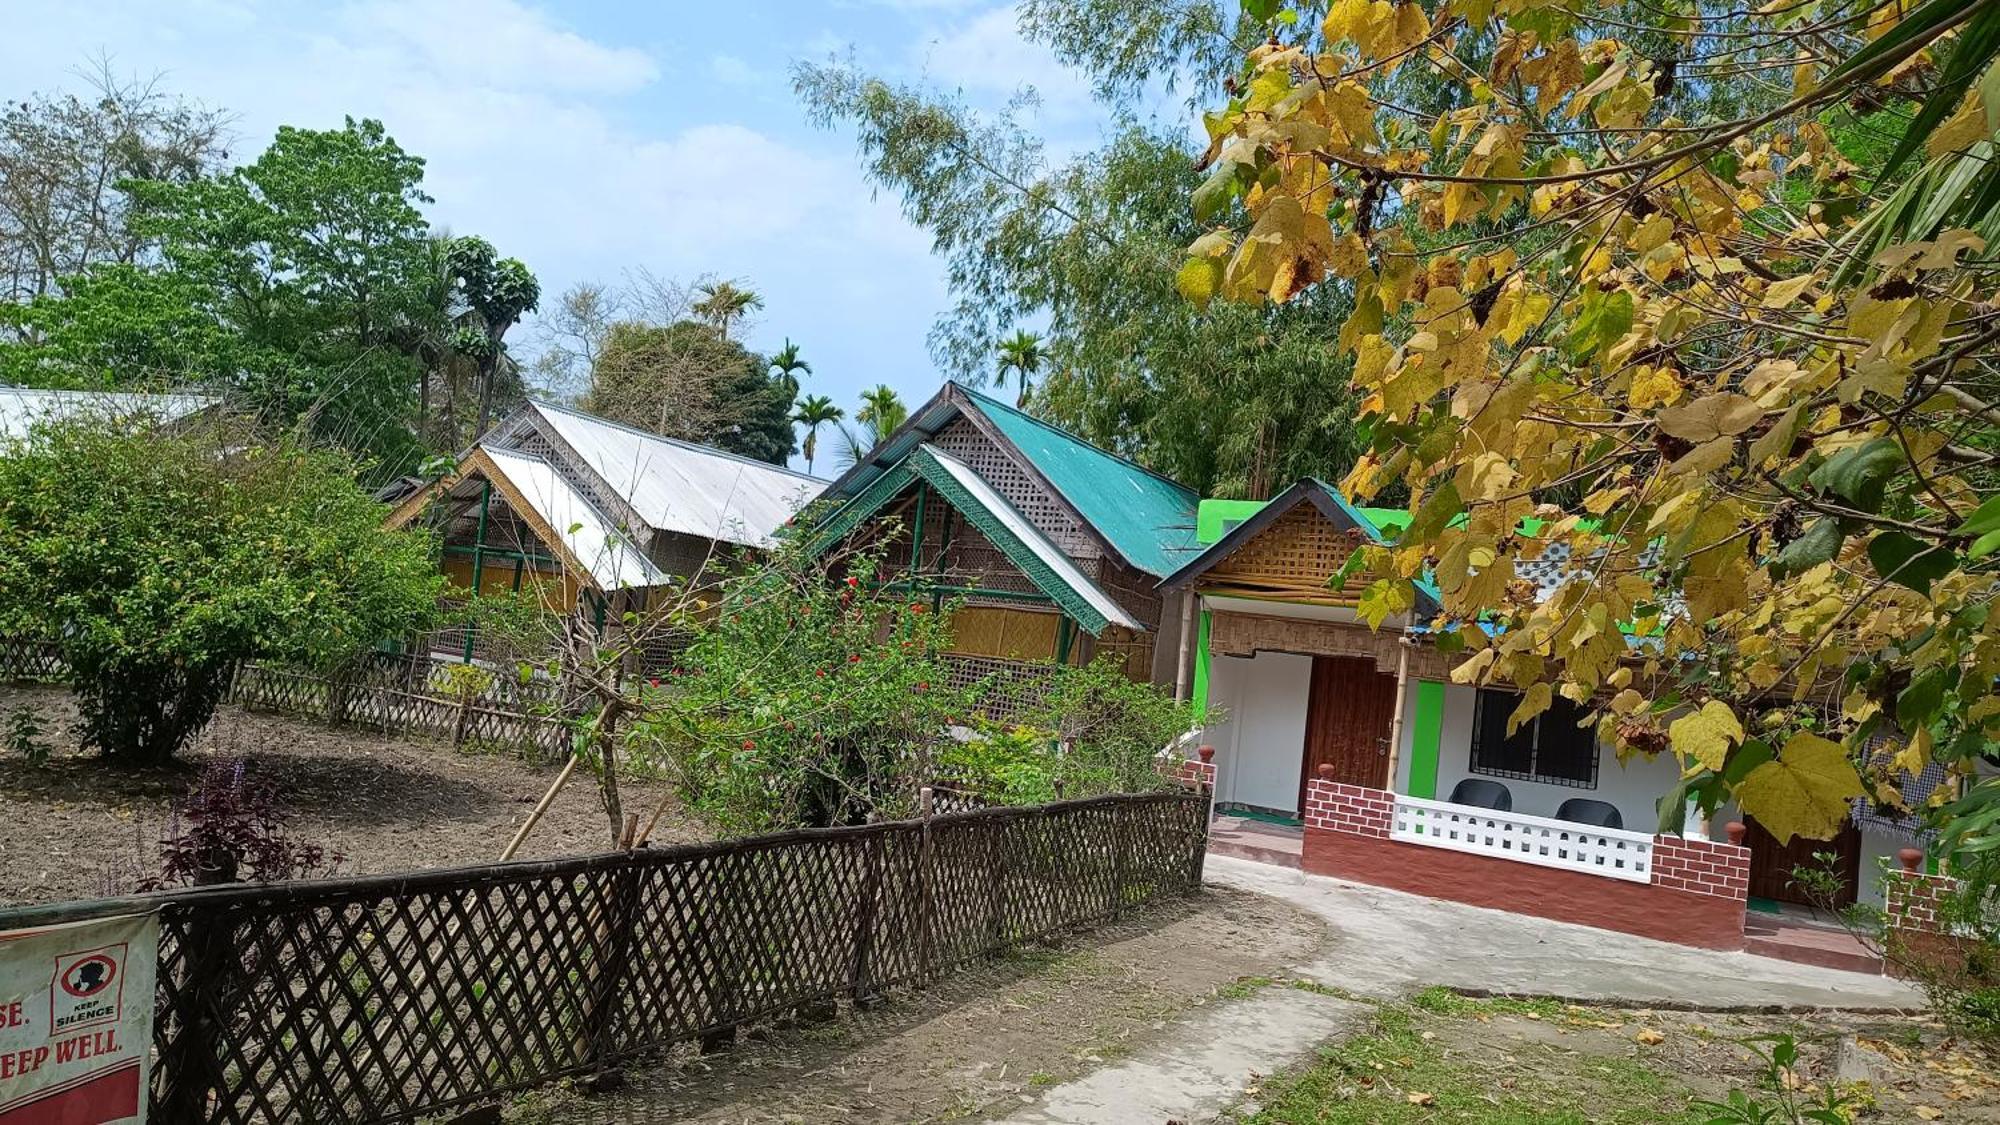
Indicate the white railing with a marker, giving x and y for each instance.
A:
(1611, 852)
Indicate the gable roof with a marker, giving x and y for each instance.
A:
(681, 487)
(21, 407)
(585, 538)
(1044, 564)
(1143, 518)
(1321, 496)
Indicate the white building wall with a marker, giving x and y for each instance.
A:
(1635, 787)
(1260, 742)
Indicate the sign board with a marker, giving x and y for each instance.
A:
(76, 1021)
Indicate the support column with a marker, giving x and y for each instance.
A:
(1396, 716)
(1201, 660)
(478, 559)
(1426, 729)
(1183, 669)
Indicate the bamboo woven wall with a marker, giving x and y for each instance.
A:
(1293, 558)
(963, 440)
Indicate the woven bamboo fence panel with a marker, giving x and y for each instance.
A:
(388, 692)
(391, 998)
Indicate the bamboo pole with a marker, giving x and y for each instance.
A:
(542, 806)
(1183, 669)
(1396, 716)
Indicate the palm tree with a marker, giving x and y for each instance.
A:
(813, 412)
(722, 302)
(882, 410)
(1022, 353)
(788, 365)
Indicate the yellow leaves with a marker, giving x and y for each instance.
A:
(1198, 280)
(1781, 294)
(1554, 73)
(1285, 251)
(1350, 256)
(1654, 386)
(1649, 1037)
(1710, 417)
(1704, 736)
(1940, 253)
(1534, 701)
(1526, 310)
(1967, 126)
(1487, 476)
(1804, 791)
(1375, 27)
(1385, 597)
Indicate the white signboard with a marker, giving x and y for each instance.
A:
(76, 1021)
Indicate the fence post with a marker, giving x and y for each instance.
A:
(860, 982)
(607, 992)
(189, 1059)
(926, 886)
(1119, 862)
(996, 897)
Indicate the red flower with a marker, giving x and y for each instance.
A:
(855, 659)
(749, 744)
(922, 686)
(654, 681)
(821, 673)
(853, 581)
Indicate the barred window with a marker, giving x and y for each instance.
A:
(1549, 748)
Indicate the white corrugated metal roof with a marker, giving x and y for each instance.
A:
(1027, 533)
(21, 407)
(613, 561)
(691, 489)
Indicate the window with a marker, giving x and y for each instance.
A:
(1549, 748)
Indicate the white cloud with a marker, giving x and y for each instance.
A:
(988, 55)
(497, 43)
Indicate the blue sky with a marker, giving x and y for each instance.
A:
(591, 138)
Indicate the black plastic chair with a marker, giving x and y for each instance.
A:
(1481, 793)
(1584, 810)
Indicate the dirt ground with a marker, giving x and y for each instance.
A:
(1448, 1060)
(77, 828)
(976, 1045)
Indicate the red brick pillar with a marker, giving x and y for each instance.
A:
(1915, 917)
(1333, 806)
(1703, 867)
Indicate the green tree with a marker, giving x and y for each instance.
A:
(723, 303)
(159, 560)
(1022, 354)
(788, 364)
(496, 292)
(1239, 401)
(687, 381)
(813, 412)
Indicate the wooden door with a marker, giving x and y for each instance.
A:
(1771, 863)
(1349, 709)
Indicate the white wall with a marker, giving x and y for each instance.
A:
(1260, 742)
(1635, 787)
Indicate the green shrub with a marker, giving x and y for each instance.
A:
(159, 559)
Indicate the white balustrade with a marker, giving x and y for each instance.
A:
(1612, 852)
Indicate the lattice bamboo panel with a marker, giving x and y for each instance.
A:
(1294, 558)
(394, 998)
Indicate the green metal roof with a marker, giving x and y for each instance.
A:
(1147, 518)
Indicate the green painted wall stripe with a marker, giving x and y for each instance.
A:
(1424, 737)
(1200, 690)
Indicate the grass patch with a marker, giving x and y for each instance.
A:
(1439, 1059)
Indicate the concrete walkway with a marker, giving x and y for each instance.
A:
(1386, 944)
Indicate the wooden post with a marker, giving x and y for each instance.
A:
(861, 986)
(1119, 861)
(542, 806)
(607, 991)
(1184, 666)
(189, 1061)
(926, 885)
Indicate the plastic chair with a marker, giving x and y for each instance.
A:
(1481, 793)
(1584, 810)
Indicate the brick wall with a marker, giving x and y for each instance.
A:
(1696, 897)
(1703, 867)
(1197, 772)
(1333, 806)
(1912, 900)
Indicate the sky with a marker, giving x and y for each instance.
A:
(590, 138)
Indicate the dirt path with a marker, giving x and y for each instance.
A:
(79, 829)
(982, 1043)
